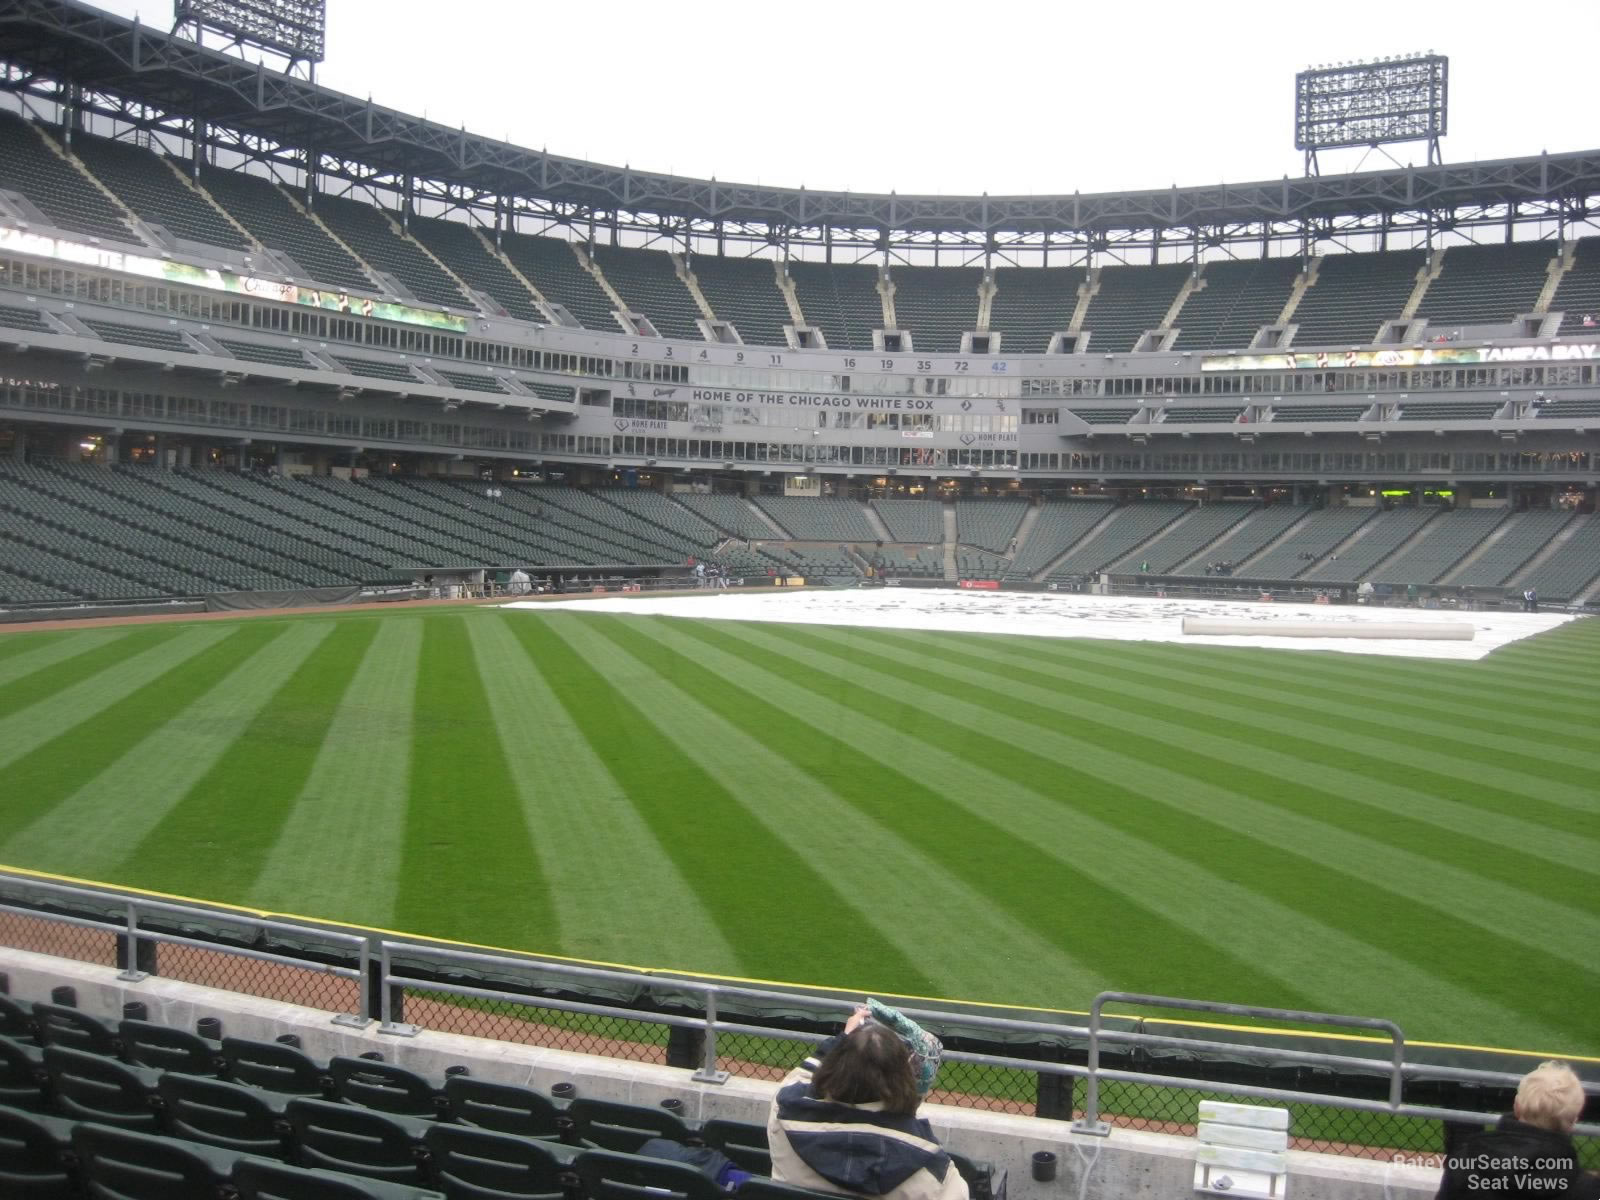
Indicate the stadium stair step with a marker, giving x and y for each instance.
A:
(952, 570)
(1548, 551)
(1292, 532)
(1029, 520)
(778, 531)
(878, 527)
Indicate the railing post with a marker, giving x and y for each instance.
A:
(134, 954)
(708, 1072)
(389, 1012)
(1091, 1122)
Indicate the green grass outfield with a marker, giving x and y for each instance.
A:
(1020, 820)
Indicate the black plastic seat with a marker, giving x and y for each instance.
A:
(502, 1107)
(165, 1048)
(58, 1025)
(34, 1150)
(91, 1087)
(358, 1141)
(477, 1164)
(263, 1179)
(612, 1125)
(744, 1143)
(230, 1115)
(609, 1176)
(22, 1075)
(984, 1180)
(16, 1020)
(118, 1164)
(384, 1087)
(273, 1066)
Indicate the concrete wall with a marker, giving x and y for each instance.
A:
(1127, 1165)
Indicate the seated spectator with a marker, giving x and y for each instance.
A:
(846, 1119)
(1530, 1152)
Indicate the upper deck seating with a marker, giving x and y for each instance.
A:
(840, 300)
(259, 206)
(150, 187)
(279, 356)
(1578, 293)
(1306, 413)
(744, 292)
(13, 317)
(367, 230)
(1130, 301)
(139, 335)
(1487, 285)
(550, 265)
(1448, 538)
(937, 304)
(1353, 295)
(1453, 410)
(648, 281)
(1032, 303)
(1238, 298)
(460, 249)
(62, 194)
(912, 520)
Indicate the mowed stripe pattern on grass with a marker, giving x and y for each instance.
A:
(987, 817)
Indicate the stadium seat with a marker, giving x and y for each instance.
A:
(34, 1152)
(273, 1066)
(22, 1074)
(230, 1115)
(624, 1127)
(384, 1087)
(358, 1141)
(167, 1048)
(58, 1025)
(744, 1143)
(610, 1176)
(16, 1020)
(92, 1087)
(477, 1164)
(118, 1164)
(263, 1179)
(503, 1108)
(757, 1188)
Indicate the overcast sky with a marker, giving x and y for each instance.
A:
(1003, 96)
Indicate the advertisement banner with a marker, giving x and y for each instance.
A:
(1432, 355)
(988, 585)
(19, 241)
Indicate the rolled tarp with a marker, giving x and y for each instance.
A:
(1424, 631)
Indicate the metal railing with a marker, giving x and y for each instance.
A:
(386, 970)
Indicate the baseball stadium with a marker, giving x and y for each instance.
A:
(449, 750)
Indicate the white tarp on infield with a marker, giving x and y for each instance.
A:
(1053, 614)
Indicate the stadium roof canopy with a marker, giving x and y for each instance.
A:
(65, 51)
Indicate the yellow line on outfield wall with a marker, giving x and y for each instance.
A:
(268, 914)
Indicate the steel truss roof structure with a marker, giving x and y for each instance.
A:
(65, 52)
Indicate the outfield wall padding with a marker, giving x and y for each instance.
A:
(294, 598)
(1421, 631)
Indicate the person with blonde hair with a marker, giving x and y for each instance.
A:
(1529, 1152)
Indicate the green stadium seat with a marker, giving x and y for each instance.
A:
(272, 1066)
(610, 1176)
(624, 1127)
(263, 1179)
(91, 1087)
(502, 1108)
(230, 1115)
(60, 1025)
(384, 1087)
(118, 1164)
(479, 1164)
(744, 1143)
(167, 1048)
(356, 1141)
(34, 1152)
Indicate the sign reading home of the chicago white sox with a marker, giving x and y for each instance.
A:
(819, 400)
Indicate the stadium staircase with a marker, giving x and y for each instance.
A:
(1320, 532)
(1024, 531)
(650, 284)
(152, 186)
(1353, 294)
(1032, 303)
(936, 304)
(555, 271)
(1369, 546)
(1130, 528)
(68, 197)
(619, 306)
(1578, 294)
(745, 292)
(1514, 546)
(1565, 566)
(1177, 542)
(1486, 285)
(840, 300)
(1237, 300)
(1439, 545)
(947, 520)
(375, 236)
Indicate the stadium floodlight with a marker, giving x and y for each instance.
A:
(1372, 104)
(295, 29)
